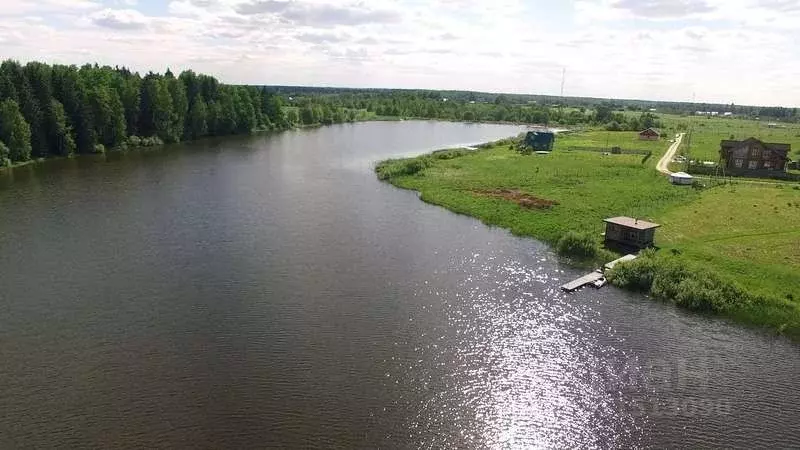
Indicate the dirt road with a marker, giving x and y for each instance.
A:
(663, 163)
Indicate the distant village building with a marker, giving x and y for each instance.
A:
(754, 158)
(540, 141)
(728, 114)
(630, 233)
(650, 134)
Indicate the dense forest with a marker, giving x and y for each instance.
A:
(62, 110)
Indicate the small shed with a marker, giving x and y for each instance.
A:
(650, 134)
(682, 178)
(540, 140)
(630, 232)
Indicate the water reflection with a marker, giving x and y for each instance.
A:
(270, 292)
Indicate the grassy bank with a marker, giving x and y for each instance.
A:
(742, 238)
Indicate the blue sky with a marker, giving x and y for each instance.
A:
(740, 51)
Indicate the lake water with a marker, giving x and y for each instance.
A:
(270, 292)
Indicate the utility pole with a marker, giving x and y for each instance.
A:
(688, 152)
(561, 102)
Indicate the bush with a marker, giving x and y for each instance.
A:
(577, 245)
(134, 141)
(449, 154)
(4, 153)
(99, 149)
(151, 141)
(693, 288)
(400, 167)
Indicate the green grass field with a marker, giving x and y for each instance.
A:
(748, 234)
(708, 132)
(597, 140)
(589, 187)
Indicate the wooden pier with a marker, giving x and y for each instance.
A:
(596, 278)
(573, 286)
(625, 258)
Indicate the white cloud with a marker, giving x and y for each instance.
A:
(120, 19)
(610, 48)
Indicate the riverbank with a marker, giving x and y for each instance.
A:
(716, 256)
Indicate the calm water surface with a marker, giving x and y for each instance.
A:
(269, 292)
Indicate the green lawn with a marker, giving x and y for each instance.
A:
(589, 187)
(749, 231)
(708, 132)
(597, 140)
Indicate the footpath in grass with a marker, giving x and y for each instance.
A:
(730, 250)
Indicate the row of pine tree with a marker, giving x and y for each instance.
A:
(56, 110)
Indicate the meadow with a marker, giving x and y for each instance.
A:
(705, 134)
(597, 140)
(746, 236)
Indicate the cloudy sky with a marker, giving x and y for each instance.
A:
(741, 51)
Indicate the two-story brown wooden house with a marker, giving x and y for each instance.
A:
(754, 158)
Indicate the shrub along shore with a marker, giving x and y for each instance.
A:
(561, 198)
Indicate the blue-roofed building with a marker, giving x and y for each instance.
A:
(540, 140)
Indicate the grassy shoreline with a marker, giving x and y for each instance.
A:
(722, 265)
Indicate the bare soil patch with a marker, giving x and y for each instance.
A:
(522, 199)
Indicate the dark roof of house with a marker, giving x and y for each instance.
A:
(779, 148)
(650, 130)
(540, 136)
(630, 222)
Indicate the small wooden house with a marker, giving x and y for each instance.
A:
(649, 134)
(630, 233)
(540, 140)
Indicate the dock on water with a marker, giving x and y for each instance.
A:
(595, 277)
(625, 258)
(573, 286)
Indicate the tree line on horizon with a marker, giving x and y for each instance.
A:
(790, 114)
(59, 110)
